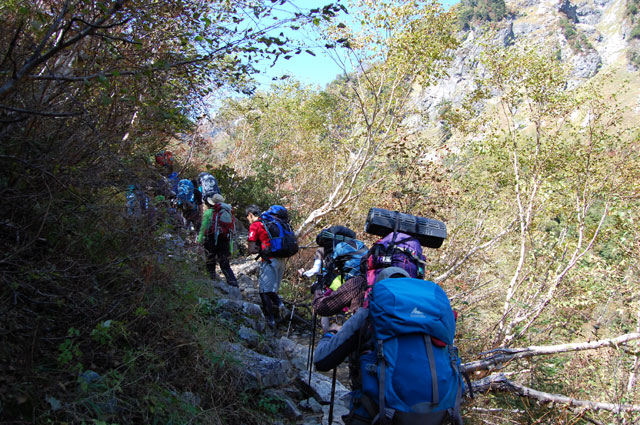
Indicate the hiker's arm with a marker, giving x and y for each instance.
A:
(253, 248)
(333, 349)
(317, 268)
(253, 241)
(206, 222)
(335, 302)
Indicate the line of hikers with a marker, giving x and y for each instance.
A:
(399, 336)
(201, 208)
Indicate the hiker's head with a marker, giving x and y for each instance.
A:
(253, 213)
(391, 273)
(215, 199)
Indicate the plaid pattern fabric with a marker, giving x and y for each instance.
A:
(349, 295)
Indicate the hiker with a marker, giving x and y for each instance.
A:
(316, 269)
(393, 343)
(217, 231)
(333, 297)
(347, 298)
(197, 194)
(271, 268)
(186, 202)
(137, 201)
(164, 159)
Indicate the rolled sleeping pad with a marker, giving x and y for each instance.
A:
(429, 232)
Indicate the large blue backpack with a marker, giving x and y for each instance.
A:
(346, 257)
(281, 237)
(185, 196)
(414, 375)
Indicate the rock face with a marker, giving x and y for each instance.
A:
(262, 371)
(594, 23)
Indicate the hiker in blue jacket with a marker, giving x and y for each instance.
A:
(414, 330)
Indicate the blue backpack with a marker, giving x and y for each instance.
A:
(413, 376)
(282, 238)
(174, 181)
(346, 257)
(185, 196)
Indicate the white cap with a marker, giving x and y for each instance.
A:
(212, 200)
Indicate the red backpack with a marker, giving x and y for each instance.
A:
(164, 158)
(223, 224)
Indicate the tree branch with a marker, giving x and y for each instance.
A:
(499, 382)
(472, 251)
(43, 114)
(505, 355)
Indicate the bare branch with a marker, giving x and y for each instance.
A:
(505, 355)
(12, 45)
(38, 58)
(471, 252)
(43, 114)
(499, 382)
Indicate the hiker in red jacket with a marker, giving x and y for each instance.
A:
(271, 268)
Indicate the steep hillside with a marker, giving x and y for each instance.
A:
(590, 37)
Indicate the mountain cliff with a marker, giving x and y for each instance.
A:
(590, 37)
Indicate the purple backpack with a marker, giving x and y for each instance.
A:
(394, 250)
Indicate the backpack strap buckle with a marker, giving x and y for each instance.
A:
(380, 350)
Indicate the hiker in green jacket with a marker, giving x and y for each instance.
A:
(217, 232)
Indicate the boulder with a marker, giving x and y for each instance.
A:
(311, 405)
(226, 291)
(249, 336)
(296, 353)
(260, 371)
(320, 386)
(245, 313)
(290, 410)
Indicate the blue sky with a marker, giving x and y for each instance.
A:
(315, 70)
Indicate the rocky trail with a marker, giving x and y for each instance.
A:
(275, 360)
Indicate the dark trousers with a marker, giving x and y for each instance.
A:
(219, 253)
(270, 305)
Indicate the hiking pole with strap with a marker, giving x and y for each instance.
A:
(293, 308)
(312, 336)
(333, 394)
(313, 343)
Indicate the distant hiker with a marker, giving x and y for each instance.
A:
(165, 160)
(271, 237)
(316, 269)
(217, 232)
(403, 365)
(197, 194)
(173, 180)
(137, 201)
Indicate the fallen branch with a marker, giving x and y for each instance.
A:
(499, 382)
(504, 355)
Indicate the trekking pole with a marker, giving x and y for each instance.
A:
(313, 343)
(333, 395)
(293, 308)
(312, 336)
